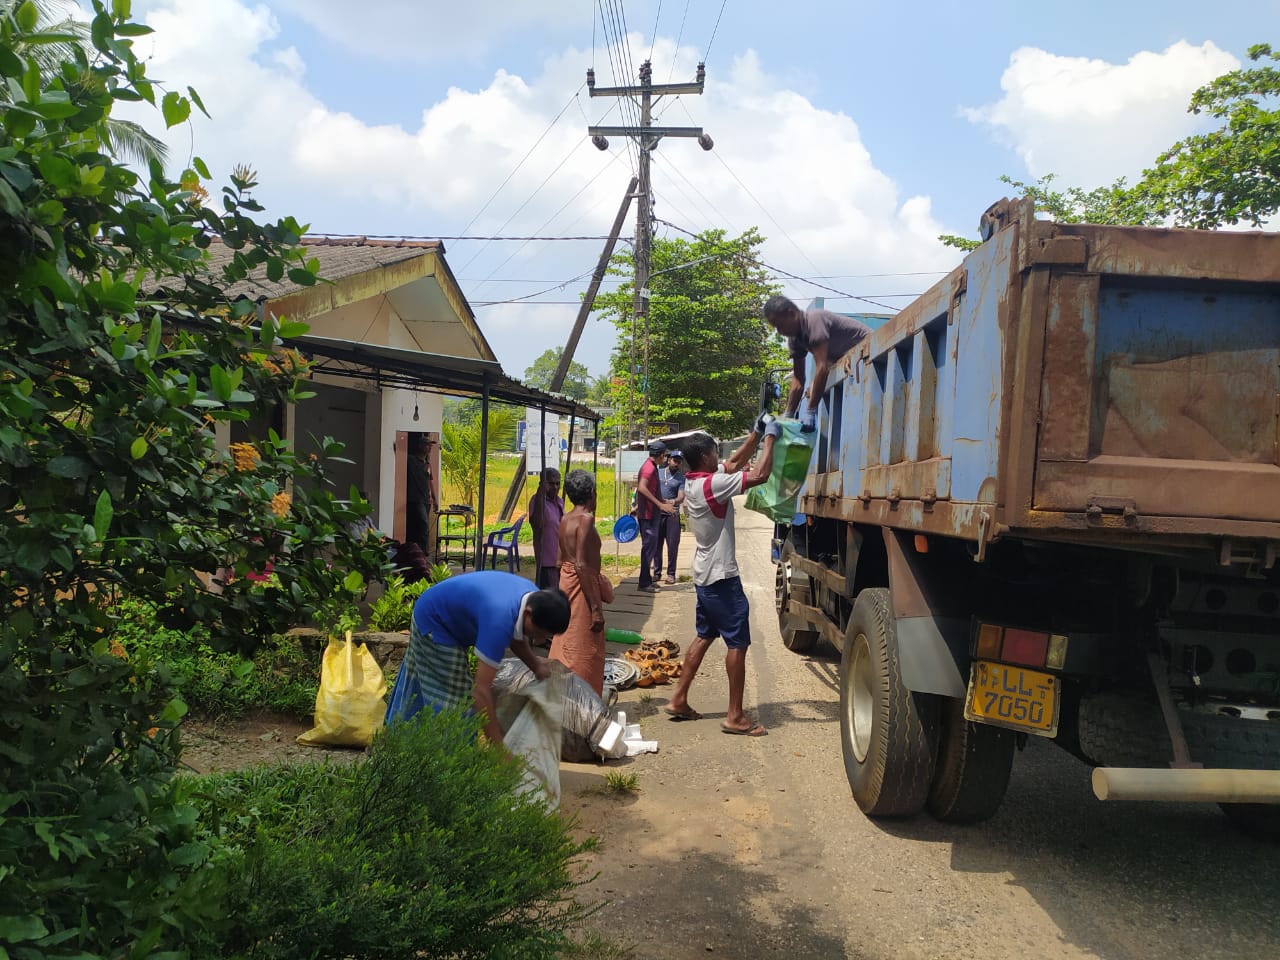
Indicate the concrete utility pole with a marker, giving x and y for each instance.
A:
(646, 136)
(566, 355)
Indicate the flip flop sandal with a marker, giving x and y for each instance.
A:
(755, 731)
(687, 714)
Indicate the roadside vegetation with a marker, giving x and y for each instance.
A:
(120, 359)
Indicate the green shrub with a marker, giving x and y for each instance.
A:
(421, 850)
(394, 609)
(280, 677)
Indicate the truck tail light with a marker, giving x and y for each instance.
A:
(1056, 658)
(989, 637)
(1028, 648)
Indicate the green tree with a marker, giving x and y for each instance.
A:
(577, 382)
(708, 346)
(57, 41)
(119, 357)
(1114, 204)
(1231, 174)
(460, 446)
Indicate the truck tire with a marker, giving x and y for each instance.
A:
(1118, 730)
(1236, 743)
(889, 735)
(1121, 731)
(795, 638)
(973, 767)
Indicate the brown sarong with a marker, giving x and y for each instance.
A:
(578, 648)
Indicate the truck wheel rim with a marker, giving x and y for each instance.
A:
(863, 678)
(781, 587)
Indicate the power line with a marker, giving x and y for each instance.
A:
(538, 293)
(679, 37)
(523, 159)
(622, 70)
(528, 200)
(656, 17)
(707, 56)
(581, 190)
(758, 203)
(727, 221)
(844, 294)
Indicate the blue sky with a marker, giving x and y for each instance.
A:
(850, 133)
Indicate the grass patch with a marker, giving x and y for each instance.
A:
(502, 467)
(618, 781)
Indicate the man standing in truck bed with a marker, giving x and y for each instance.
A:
(828, 336)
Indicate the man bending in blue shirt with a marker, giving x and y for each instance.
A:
(489, 610)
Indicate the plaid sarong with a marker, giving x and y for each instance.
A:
(434, 675)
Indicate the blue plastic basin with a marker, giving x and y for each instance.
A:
(625, 529)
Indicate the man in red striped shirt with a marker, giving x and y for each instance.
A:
(649, 508)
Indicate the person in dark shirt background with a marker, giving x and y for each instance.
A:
(826, 335)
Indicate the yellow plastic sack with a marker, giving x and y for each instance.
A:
(349, 706)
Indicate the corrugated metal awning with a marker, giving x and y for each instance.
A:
(461, 376)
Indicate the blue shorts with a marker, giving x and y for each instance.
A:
(723, 611)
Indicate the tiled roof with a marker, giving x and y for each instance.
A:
(339, 257)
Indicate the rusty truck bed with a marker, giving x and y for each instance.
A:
(1093, 384)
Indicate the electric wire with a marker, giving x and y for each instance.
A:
(656, 17)
(844, 294)
(621, 76)
(537, 293)
(528, 154)
(707, 56)
(727, 221)
(528, 200)
(721, 160)
(579, 193)
(679, 37)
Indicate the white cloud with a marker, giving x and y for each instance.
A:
(423, 30)
(830, 210)
(1091, 121)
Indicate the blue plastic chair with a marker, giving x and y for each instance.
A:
(506, 540)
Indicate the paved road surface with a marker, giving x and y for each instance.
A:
(754, 848)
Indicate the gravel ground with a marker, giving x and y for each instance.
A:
(754, 847)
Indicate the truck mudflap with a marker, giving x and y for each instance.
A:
(1188, 785)
(933, 630)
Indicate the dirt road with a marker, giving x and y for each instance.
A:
(754, 848)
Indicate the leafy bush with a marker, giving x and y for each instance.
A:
(280, 676)
(394, 609)
(122, 359)
(421, 850)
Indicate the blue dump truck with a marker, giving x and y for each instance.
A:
(1044, 501)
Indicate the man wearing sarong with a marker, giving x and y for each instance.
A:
(489, 610)
(581, 646)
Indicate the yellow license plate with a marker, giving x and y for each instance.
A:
(1013, 697)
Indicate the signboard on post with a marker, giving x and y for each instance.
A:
(541, 450)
